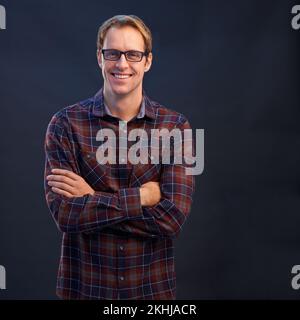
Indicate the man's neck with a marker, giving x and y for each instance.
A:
(124, 107)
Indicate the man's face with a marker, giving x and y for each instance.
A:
(123, 39)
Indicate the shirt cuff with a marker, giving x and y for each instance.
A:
(130, 201)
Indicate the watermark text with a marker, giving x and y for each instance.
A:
(155, 146)
(296, 18)
(296, 279)
(2, 18)
(2, 278)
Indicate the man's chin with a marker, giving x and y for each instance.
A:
(121, 91)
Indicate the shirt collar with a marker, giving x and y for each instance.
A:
(100, 109)
(141, 113)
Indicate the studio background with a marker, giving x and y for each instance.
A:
(232, 67)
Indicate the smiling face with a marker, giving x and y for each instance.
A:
(123, 77)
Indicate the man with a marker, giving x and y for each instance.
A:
(118, 219)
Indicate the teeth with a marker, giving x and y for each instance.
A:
(121, 76)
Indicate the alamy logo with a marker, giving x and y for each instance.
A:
(296, 279)
(162, 144)
(2, 18)
(296, 19)
(2, 278)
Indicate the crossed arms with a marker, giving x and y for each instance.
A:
(151, 210)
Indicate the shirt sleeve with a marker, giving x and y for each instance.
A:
(82, 214)
(167, 217)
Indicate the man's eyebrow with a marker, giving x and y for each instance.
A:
(112, 48)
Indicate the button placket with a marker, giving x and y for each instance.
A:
(121, 255)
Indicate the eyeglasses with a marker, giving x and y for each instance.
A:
(131, 55)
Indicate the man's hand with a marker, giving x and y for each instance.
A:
(150, 193)
(68, 183)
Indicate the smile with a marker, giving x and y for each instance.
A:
(121, 76)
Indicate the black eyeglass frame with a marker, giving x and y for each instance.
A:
(145, 53)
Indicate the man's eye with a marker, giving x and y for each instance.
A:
(133, 54)
(112, 54)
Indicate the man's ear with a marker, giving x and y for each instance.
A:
(99, 58)
(148, 62)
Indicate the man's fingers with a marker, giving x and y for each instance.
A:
(61, 178)
(154, 186)
(62, 192)
(62, 186)
(150, 184)
(67, 173)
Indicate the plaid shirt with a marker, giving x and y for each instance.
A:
(112, 247)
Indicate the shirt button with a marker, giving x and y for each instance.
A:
(121, 247)
(123, 160)
(122, 278)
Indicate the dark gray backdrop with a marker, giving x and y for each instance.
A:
(232, 67)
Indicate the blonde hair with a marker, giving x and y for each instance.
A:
(125, 20)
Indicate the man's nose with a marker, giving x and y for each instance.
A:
(122, 62)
